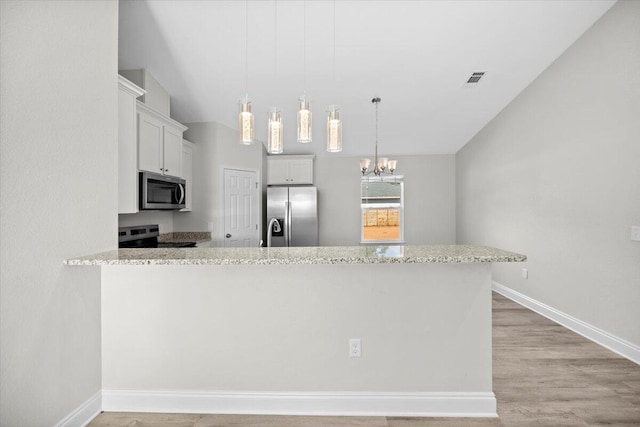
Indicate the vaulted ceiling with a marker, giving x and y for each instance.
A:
(415, 55)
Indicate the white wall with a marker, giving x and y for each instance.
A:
(429, 199)
(59, 104)
(215, 147)
(556, 176)
(286, 328)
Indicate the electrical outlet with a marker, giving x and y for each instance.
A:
(635, 233)
(355, 347)
(525, 273)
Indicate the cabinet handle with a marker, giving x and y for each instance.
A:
(166, 170)
(161, 169)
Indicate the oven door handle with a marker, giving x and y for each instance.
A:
(181, 194)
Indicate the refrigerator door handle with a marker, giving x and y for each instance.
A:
(290, 220)
(286, 223)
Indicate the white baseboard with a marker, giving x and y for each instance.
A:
(473, 404)
(83, 414)
(605, 339)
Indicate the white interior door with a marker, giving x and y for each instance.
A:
(240, 208)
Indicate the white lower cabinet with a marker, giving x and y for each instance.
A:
(187, 173)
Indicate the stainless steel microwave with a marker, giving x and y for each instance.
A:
(161, 192)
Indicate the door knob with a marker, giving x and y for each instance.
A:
(228, 235)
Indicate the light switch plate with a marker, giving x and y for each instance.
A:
(355, 347)
(635, 233)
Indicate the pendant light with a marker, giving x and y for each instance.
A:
(381, 165)
(334, 130)
(304, 120)
(245, 117)
(334, 124)
(275, 131)
(304, 103)
(275, 127)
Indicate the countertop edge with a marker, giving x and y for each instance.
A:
(296, 260)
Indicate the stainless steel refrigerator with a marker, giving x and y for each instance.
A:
(296, 212)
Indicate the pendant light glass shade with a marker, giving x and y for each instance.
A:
(334, 130)
(304, 120)
(245, 122)
(364, 165)
(275, 133)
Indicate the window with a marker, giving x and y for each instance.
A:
(382, 206)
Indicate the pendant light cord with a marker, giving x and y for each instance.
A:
(304, 50)
(246, 50)
(334, 43)
(275, 45)
(376, 101)
(376, 133)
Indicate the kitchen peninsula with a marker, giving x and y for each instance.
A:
(272, 330)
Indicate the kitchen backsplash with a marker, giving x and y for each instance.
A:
(163, 219)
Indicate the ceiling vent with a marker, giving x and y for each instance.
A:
(473, 80)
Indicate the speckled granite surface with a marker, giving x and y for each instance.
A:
(185, 236)
(302, 255)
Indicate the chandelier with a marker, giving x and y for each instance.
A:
(382, 165)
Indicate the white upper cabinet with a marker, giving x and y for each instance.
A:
(150, 145)
(159, 142)
(301, 171)
(127, 144)
(290, 170)
(187, 173)
(172, 151)
(278, 171)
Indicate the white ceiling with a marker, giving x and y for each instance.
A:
(415, 55)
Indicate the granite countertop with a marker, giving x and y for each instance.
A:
(302, 255)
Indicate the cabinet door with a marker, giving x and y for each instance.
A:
(278, 171)
(127, 154)
(301, 171)
(187, 173)
(172, 151)
(150, 133)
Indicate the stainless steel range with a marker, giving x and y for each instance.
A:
(146, 236)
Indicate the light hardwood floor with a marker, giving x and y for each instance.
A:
(543, 375)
